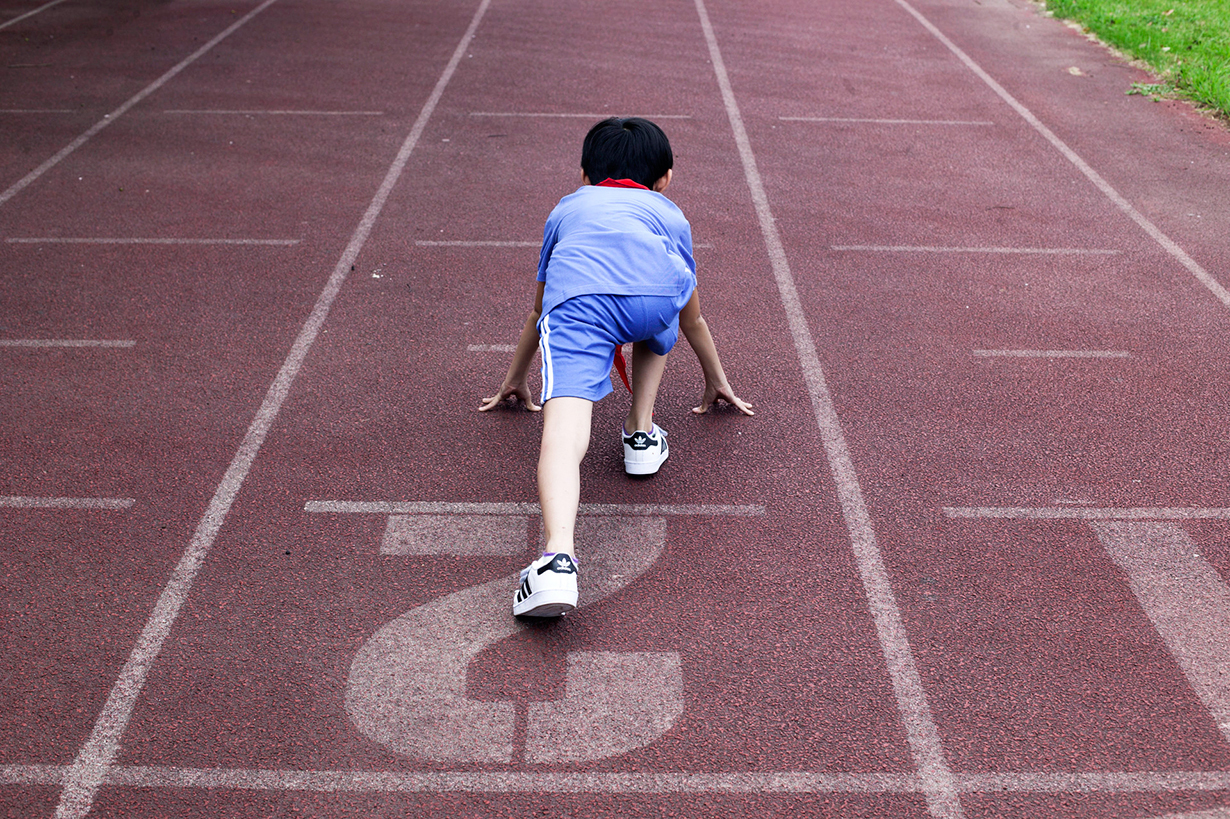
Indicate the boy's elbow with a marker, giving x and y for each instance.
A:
(690, 324)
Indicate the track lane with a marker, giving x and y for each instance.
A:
(376, 420)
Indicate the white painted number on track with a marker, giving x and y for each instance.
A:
(407, 685)
(1180, 592)
(1184, 597)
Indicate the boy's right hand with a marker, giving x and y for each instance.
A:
(715, 393)
(515, 392)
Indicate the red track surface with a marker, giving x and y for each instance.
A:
(938, 574)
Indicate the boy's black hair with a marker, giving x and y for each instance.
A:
(626, 148)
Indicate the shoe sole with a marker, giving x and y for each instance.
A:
(546, 603)
(644, 467)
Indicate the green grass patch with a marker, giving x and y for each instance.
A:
(1187, 42)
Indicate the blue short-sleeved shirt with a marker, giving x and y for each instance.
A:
(616, 241)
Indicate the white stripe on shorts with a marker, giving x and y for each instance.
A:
(544, 347)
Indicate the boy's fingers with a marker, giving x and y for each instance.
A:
(734, 400)
(496, 400)
(524, 396)
(743, 406)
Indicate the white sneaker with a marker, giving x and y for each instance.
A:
(548, 587)
(645, 452)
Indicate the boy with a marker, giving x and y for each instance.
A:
(616, 267)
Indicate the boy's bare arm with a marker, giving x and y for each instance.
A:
(514, 385)
(696, 331)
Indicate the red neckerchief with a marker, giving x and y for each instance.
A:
(620, 183)
(620, 365)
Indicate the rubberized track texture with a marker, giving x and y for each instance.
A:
(261, 261)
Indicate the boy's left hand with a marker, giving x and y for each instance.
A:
(516, 392)
(713, 394)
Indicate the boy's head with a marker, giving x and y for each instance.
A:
(626, 148)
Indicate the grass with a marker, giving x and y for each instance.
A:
(1186, 42)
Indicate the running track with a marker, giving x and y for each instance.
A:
(970, 558)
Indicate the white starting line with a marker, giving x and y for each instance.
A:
(499, 243)
(26, 502)
(66, 342)
(270, 112)
(600, 509)
(475, 243)
(866, 121)
(104, 240)
(630, 782)
(549, 115)
(1042, 251)
(1051, 354)
(1089, 512)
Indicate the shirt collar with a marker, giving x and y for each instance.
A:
(621, 183)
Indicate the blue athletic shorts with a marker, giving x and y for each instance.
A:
(577, 340)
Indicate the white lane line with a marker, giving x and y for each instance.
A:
(270, 112)
(888, 121)
(1169, 245)
(1215, 813)
(19, 18)
(65, 342)
(492, 348)
(1185, 599)
(476, 243)
(97, 756)
(439, 508)
(595, 117)
(20, 185)
(1088, 513)
(939, 785)
(1052, 354)
(102, 240)
(1098, 782)
(25, 502)
(1051, 251)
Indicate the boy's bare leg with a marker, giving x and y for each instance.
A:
(565, 439)
(647, 370)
